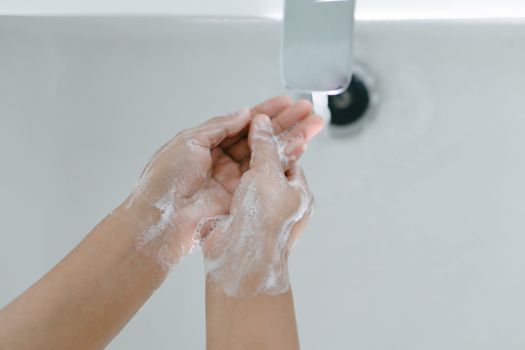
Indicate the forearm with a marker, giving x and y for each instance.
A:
(259, 322)
(89, 296)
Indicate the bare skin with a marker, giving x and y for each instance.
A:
(259, 322)
(85, 300)
(255, 312)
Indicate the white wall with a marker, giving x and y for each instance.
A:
(366, 9)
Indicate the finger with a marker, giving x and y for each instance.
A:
(239, 151)
(298, 180)
(226, 171)
(272, 107)
(215, 130)
(263, 145)
(293, 150)
(245, 165)
(307, 129)
(216, 156)
(296, 176)
(296, 139)
(290, 116)
(296, 173)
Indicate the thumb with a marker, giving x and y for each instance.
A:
(263, 145)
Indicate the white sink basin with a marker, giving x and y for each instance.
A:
(419, 235)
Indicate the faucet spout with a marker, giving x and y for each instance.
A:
(316, 52)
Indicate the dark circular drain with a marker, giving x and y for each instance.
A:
(351, 105)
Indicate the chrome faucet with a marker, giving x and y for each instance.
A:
(316, 52)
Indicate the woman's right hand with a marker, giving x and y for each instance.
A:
(193, 177)
(246, 253)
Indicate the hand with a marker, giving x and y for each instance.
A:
(195, 174)
(86, 299)
(246, 253)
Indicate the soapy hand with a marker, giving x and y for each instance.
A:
(246, 253)
(86, 299)
(194, 176)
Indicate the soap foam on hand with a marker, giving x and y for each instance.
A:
(246, 254)
(171, 197)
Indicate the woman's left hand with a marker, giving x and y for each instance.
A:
(193, 177)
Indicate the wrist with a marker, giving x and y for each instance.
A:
(257, 266)
(155, 243)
